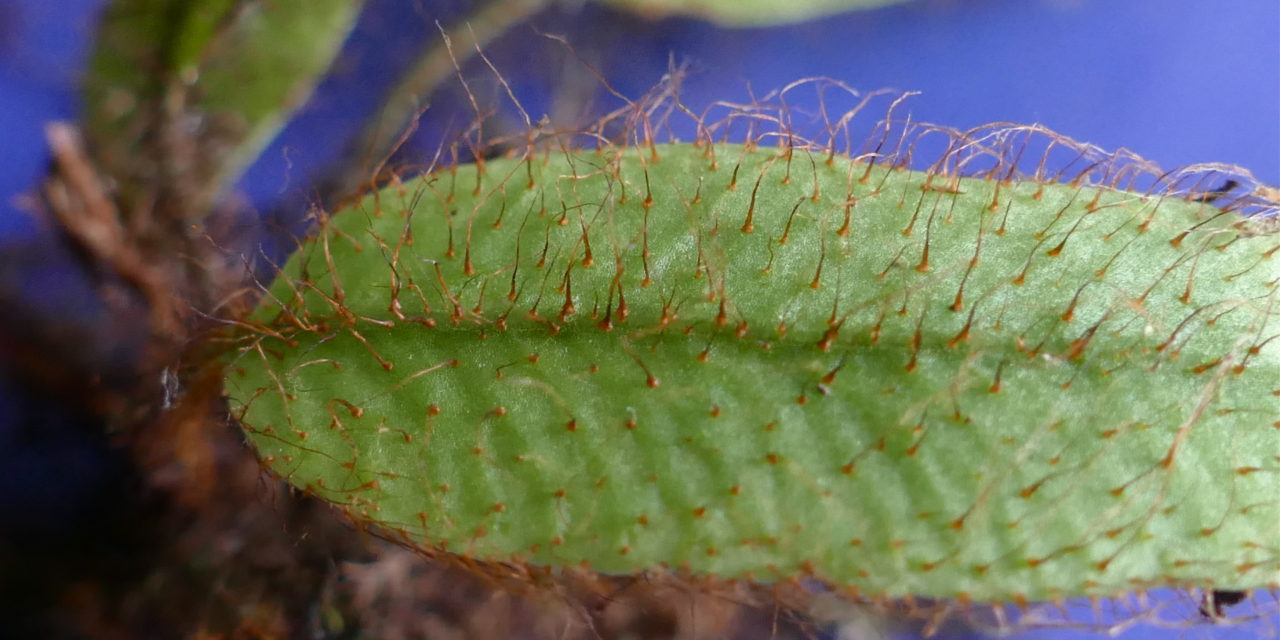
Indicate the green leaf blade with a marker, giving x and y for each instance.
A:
(990, 422)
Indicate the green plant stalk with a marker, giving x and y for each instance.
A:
(785, 365)
(436, 64)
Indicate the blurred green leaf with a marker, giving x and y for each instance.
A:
(747, 13)
(182, 95)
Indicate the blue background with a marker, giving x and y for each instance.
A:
(1177, 81)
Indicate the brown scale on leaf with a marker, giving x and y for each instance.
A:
(816, 282)
(957, 304)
